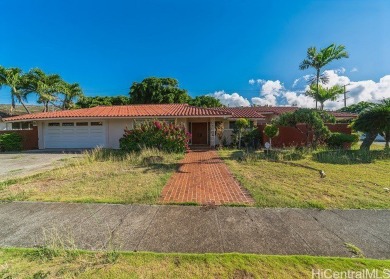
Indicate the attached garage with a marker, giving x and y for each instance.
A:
(74, 134)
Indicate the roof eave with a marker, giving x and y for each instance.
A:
(116, 117)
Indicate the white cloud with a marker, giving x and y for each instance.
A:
(298, 99)
(340, 71)
(354, 69)
(257, 81)
(357, 91)
(271, 87)
(269, 100)
(295, 83)
(270, 90)
(274, 93)
(231, 100)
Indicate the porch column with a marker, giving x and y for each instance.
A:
(212, 132)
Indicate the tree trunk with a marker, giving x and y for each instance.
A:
(13, 101)
(24, 105)
(239, 140)
(45, 106)
(386, 135)
(368, 140)
(318, 85)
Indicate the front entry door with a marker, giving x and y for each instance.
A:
(199, 133)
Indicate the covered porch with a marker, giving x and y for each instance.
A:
(203, 130)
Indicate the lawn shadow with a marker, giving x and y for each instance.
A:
(350, 157)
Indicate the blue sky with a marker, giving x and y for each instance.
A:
(209, 46)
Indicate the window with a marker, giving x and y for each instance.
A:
(67, 124)
(16, 126)
(26, 125)
(22, 126)
(81, 123)
(53, 124)
(96, 123)
(232, 125)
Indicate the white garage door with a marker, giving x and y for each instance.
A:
(78, 134)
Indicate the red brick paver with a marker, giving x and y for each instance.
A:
(204, 178)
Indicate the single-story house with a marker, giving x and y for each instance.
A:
(104, 125)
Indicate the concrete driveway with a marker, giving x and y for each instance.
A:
(19, 164)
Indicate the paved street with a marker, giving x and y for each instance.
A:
(196, 229)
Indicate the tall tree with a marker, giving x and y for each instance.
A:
(155, 90)
(372, 122)
(241, 124)
(16, 80)
(89, 102)
(358, 108)
(206, 102)
(47, 87)
(319, 59)
(386, 132)
(324, 94)
(70, 92)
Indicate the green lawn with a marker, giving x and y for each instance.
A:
(275, 184)
(43, 263)
(100, 176)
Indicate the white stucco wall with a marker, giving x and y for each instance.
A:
(116, 129)
(40, 125)
(227, 133)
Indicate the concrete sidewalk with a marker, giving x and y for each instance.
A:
(196, 229)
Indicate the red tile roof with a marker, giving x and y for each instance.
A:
(165, 110)
(275, 110)
(260, 112)
(343, 114)
(242, 112)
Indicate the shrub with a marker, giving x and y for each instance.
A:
(337, 140)
(155, 134)
(271, 131)
(252, 138)
(10, 142)
(241, 124)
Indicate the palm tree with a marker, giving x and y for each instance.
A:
(318, 60)
(15, 79)
(324, 94)
(70, 92)
(46, 86)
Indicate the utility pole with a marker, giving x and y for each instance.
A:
(345, 94)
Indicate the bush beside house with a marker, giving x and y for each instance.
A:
(10, 142)
(165, 136)
(342, 140)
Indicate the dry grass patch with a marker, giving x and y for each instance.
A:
(275, 184)
(33, 263)
(99, 176)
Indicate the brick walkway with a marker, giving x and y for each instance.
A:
(204, 178)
